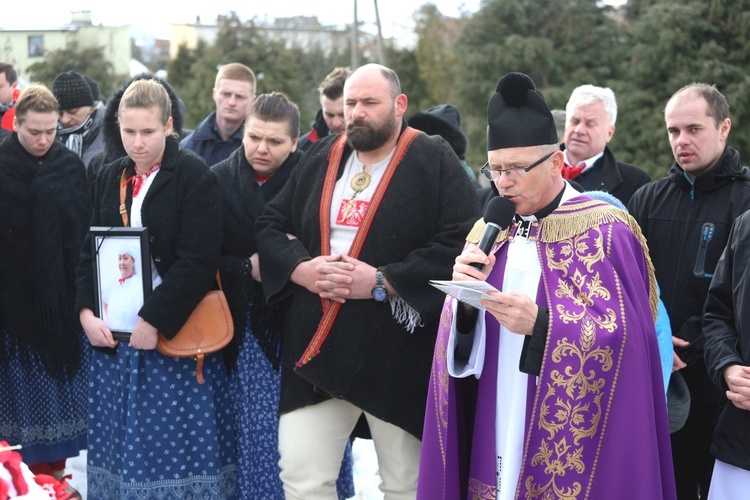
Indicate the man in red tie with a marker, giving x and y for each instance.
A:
(590, 124)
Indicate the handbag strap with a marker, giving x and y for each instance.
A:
(123, 208)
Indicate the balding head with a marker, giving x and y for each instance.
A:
(373, 108)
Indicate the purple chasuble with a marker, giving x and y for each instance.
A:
(596, 423)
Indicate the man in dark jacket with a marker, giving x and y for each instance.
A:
(8, 84)
(373, 215)
(330, 117)
(727, 333)
(686, 218)
(81, 116)
(591, 114)
(220, 133)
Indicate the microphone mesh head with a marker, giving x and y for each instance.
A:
(499, 211)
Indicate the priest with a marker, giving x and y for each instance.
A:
(553, 389)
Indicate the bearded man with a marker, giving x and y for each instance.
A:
(367, 218)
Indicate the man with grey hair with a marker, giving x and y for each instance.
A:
(591, 114)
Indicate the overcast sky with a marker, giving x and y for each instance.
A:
(395, 15)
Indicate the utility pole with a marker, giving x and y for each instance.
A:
(381, 48)
(355, 39)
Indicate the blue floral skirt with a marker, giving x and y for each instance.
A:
(45, 415)
(155, 432)
(256, 389)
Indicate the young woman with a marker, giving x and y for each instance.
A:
(154, 431)
(248, 179)
(44, 215)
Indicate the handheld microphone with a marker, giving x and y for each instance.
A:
(498, 215)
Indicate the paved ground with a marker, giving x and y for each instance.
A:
(366, 478)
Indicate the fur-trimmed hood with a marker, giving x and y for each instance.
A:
(113, 148)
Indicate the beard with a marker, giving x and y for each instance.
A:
(372, 136)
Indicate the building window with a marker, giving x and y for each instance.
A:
(36, 46)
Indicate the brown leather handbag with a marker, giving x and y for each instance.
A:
(208, 328)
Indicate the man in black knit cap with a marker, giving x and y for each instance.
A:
(81, 118)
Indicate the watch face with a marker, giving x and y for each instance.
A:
(379, 294)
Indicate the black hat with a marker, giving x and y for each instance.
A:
(94, 87)
(443, 120)
(678, 402)
(72, 91)
(518, 116)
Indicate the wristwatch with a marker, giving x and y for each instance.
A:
(379, 293)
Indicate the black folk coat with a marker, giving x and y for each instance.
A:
(182, 211)
(368, 358)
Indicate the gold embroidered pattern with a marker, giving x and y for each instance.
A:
(577, 247)
(441, 383)
(570, 409)
(570, 220)
(481, 491)
(558, 460)
(586, 290)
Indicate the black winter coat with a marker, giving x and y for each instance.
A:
(182, 211)
(243, 200)
(369, 359)
(44, 216)
(726, 328)
(318, 131)
(686, 226)
(619, 179)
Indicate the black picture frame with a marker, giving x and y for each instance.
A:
(111, 285)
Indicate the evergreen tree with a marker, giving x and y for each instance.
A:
(559, 43)
(435, 58)
(296, 71)
(674, 44)
(84, 60)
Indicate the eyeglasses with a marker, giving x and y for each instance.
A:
(512, 173)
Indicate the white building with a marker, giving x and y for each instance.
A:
(22, 48)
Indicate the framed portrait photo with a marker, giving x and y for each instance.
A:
(122, 276)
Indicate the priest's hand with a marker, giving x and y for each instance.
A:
(96, 329)
(144, 336)
(462, 269)
(737, 378)
(515, 311)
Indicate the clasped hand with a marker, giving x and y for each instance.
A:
(515, 311)
(737, 378)
(336, 277)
